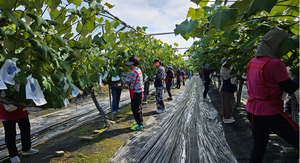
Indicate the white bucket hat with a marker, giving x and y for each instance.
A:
(224, 61)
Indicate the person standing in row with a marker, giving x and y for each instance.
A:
(190, 74)
(227, 91)
(159, 85)
(146, 88)
(9, 118)
(169, 80)
(116, 89)
(183, 77)
(135, 81)
(178, 78)
(267, 78)
(206, 79)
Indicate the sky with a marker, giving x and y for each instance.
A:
(160, 16)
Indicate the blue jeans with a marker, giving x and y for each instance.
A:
(116, 94)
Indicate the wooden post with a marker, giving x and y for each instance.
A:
(239, 93)
(107, 123)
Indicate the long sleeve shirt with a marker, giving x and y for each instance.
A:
(131, 78)
(170, 75)
(206, 73)
(225, 73)
(160, 75)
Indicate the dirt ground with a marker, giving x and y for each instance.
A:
(104, 145)
(239, 136)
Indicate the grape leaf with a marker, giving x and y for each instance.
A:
(289, 44)
(65, 66)
(53, 4)
(25, 27)
(220, 19)
(7, 13)
(195, 14)
(109, 5)
(259, 5)
(185, 28)
(57, 77)
(38, 20)
(40, 47)
(261, 30)
(21, 78)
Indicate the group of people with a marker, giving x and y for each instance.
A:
(134, 79)
(180, 76)
(267, 78)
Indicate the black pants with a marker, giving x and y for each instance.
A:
(206, 86)
(136, 107)
(168, 85)
(146, 91)
(10, 135)
(263, 125)
(183, 81)
(178, 84)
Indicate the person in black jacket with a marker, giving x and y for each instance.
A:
(169, 79)
(159, 85)
(206, 79)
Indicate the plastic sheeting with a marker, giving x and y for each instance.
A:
(189, 131)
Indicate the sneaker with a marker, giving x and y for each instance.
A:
(228, 120)
(30, 152)
(135, 124)
(137, 127)
(118, 111)
(205, 99)
(159, 111)
(15, 159)
(114, 112)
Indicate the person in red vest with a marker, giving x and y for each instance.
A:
(135, 82)
(267, 78)
(169, 80)
(9, 117)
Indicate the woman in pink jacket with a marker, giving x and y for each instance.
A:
(267, 78)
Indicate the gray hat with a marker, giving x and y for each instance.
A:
(129, 63)
(224, 61)
(170, 66)
(271, 42)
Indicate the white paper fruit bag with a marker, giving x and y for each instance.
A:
(33, 91)
(9, 70)
(75, 90)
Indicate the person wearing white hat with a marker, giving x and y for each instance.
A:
(169, 80)
(227, 91)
